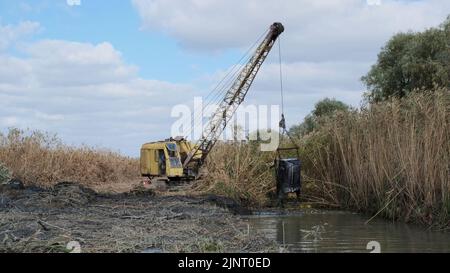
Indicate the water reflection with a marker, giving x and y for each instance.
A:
(331, 231)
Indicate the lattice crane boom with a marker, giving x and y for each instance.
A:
(233, 97)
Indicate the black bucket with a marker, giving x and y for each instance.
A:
(288, 175)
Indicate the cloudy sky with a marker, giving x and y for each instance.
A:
(108, 73)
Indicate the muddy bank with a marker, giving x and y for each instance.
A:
(44, 220)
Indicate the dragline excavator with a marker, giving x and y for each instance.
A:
(177, 158)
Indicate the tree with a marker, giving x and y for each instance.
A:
(411, 62)
(324, 108)
(327, 107)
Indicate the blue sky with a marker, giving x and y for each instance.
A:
(156, 54)
(108, 73)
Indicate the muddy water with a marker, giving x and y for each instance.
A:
(332, 231)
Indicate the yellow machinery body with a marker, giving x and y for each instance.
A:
(164, 159)
(177, 158)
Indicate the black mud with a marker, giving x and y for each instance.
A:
(33, 219)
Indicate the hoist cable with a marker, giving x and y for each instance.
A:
(224, 84)
(281, 76)
(231, 79)
(283, 120)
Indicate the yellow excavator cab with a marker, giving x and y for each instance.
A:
(161, 159)
(164, 158)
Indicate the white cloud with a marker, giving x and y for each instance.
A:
(9, 34)
(9, 121)
(327, 45)
(305, 83)
(47, 117)
(86, 93)
(84, 64)
(14, 71)
(315, 30)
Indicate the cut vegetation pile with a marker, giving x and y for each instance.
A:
(46, 220)
(47, 214)
(41, 159)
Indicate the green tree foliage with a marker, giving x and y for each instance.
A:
(410, 62)
(327, 107)
(324, 108)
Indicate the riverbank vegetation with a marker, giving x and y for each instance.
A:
(41, 159)
(389, 158)
(240, 171)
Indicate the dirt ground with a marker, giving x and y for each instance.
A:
(141, 220)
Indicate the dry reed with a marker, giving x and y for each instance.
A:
(239, 171)
(41, 159)
(390, 159)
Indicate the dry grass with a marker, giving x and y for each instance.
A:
(391, 159)
(41, 159)
(240, 171)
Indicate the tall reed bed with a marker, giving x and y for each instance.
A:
(42, 159)
(389, 159)
(240, 171)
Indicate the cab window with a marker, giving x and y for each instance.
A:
(173, 155)
(172, 149)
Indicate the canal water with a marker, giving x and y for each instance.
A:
(314, 231)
